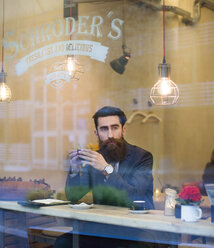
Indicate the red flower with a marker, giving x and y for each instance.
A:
(190, 193)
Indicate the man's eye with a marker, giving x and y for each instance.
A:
(104, 129)
(114, 127)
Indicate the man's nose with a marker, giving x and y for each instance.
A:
(110, 134)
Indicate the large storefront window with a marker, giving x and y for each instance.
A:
(114, 49)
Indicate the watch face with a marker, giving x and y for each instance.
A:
(109, 169)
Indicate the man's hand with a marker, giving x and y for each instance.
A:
(93, 158)
(75, 161)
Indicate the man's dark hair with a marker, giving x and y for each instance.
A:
(109, 111)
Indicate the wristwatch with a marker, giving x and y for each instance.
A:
(108, 169)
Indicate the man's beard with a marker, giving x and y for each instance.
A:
(113, 150)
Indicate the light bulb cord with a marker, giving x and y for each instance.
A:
(2, 54)
(123, 30)
(164, 40)
(70, 19)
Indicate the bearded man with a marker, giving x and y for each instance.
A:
(117, 164)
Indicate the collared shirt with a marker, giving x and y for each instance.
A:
(116, 167)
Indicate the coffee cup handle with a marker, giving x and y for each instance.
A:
(199, 213)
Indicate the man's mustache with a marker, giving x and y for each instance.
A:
(110, 141)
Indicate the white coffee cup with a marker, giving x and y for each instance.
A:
(190, 213)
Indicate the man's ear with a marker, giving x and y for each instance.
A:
(124, 130)
(95, 132)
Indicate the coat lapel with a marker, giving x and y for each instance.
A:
(124, 164)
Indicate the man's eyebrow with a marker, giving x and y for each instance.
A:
(113, 125)
(103, 127)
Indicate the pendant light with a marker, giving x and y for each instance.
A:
(74, 69)
(118, 65)
(5, 92)
(165, 91)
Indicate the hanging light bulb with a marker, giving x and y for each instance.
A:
(165, 91)
(70, 65)
(74, 69)
(5, 92)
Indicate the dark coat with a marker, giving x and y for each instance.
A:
(134, 176)
(208, 176)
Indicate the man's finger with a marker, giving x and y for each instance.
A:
(88, 158)
(71, 153)
(88, 162)
(72, 157)
(88, 153)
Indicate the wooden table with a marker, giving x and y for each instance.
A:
(128, 224)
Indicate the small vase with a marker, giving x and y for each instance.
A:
(190, 213)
